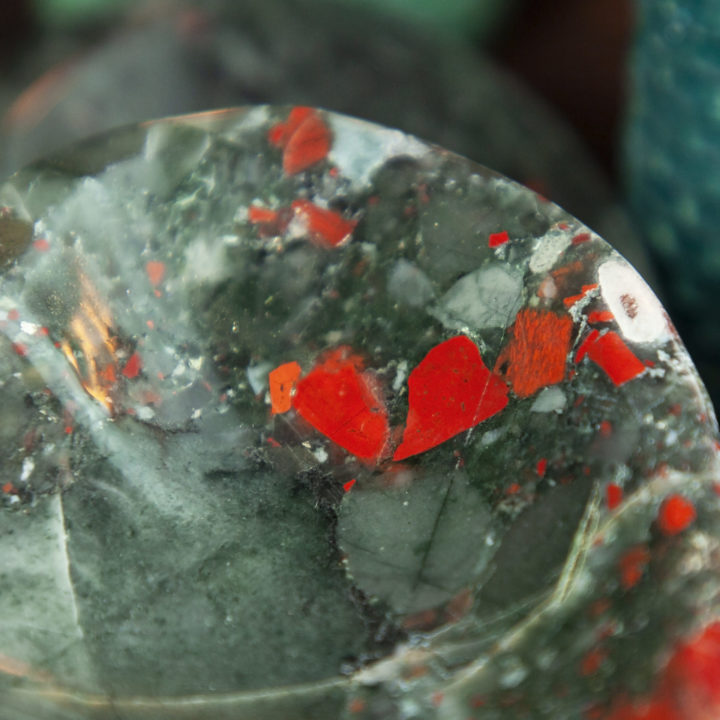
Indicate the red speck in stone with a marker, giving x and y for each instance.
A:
(20, 349)
(422, 620)
(688, 687)
(600, 316)
(605, 428)
(356, 705)
(333, 172)
(13, 315)
(567, 270)
(68, 429)
(257, 214)
(151, 398)
(497, 239)
(541, 467)
(272, 441)
(270, 222)
(8, 488)
(613, 356)
(437, 698)
(692, 677)
(613, 495)
(570, 301)
(155, 271)
(676, 514)
(585, 345)
(281, 381)
(304, 137)
(451, 390)
(107, 374)
(592, 661)
(280, 133)
(192, 23)
(594, 712)
(581, 238)
(41, 245)
(43, 331)
(514, 489)
(536, 355)
(344, 404)
(326, 227)
(132, 366)
(599, 607)
(478, 701)
(347, 487)
(632, 565)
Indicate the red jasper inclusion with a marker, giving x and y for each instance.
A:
(345, 404)
(451, 390)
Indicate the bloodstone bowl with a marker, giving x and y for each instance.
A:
(304, 418)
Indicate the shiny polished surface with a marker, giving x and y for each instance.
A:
(305, 418)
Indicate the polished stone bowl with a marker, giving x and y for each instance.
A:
(304, 418)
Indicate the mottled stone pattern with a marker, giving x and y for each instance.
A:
(305, 418)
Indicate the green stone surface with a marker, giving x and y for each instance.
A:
(182, 536)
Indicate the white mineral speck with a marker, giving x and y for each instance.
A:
(551, 399)
(549, 249)
(638, 312)
(358, 153)
(257, 376)
(408, 284)
(489, 297)
(28, 327)
(491, 436)
(321, 455)
(400, 375)
(27, 468)
(514, 675)
(145, 413)
(205, 261)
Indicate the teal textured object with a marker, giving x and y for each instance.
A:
(673, 158)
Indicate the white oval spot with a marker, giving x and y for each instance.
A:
(638, 312)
